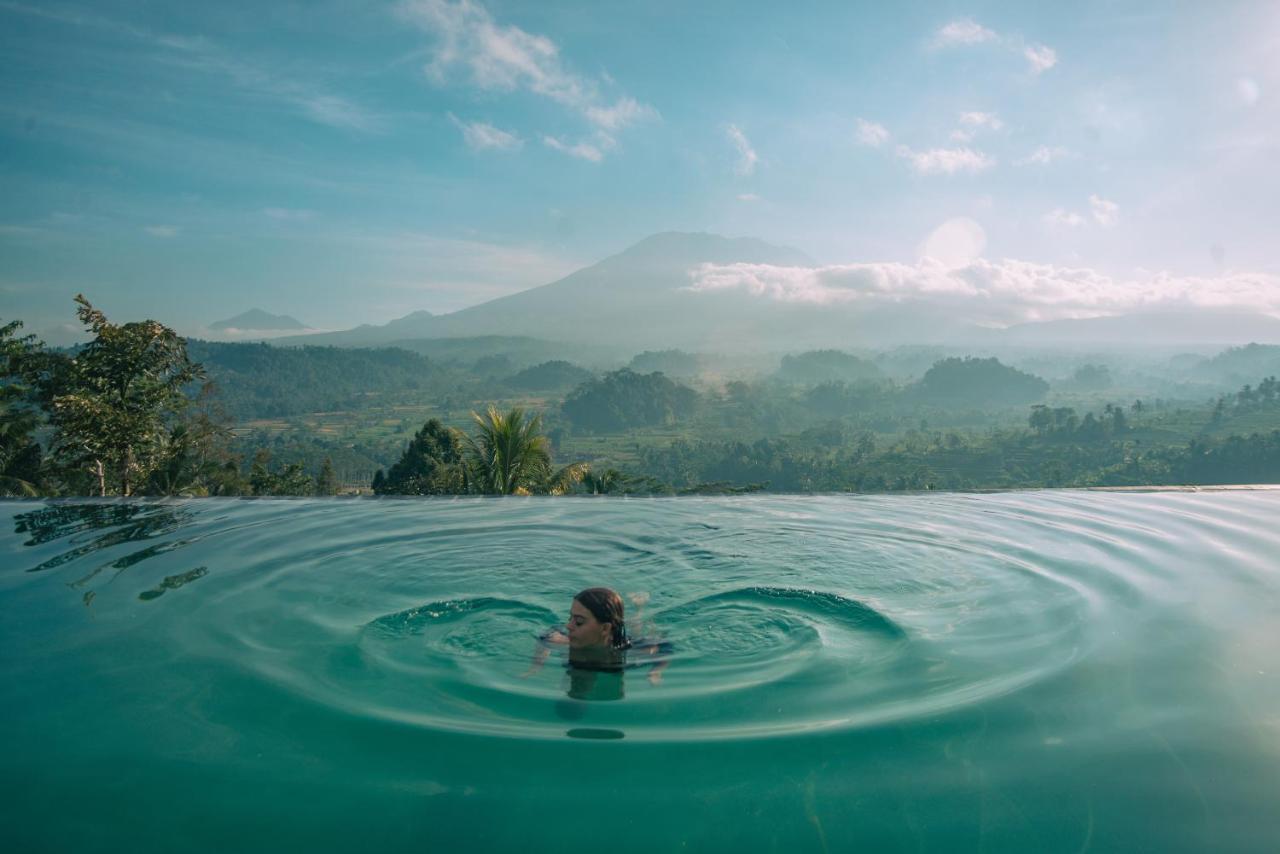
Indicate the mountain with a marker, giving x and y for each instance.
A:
(257, 320)
(637, 298)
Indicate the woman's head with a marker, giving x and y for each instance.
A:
(596, 619)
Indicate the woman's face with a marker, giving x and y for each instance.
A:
(584, 629)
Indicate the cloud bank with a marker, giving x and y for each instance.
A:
(991, 292)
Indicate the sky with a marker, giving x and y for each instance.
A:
(351, 162)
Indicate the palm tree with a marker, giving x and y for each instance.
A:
(508, 455)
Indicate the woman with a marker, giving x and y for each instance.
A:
(596, 634)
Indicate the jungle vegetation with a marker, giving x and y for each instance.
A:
(140, 411)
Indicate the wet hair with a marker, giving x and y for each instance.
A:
(606, 606)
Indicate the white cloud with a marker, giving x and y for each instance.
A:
(747, 157)
(1041, 57)
(962, 32)
(507, 58)
(989, 121)
(873, 134)
(1043, 156)
(480, 136)
(294, 214)
(748, 197)
(974, 122)
(965, 32)
(945, 161)
(624, 112)
(162, 231)
(581, 150)
(1063, 217)
(1000, 292)
(1105, 213)
(337, 112)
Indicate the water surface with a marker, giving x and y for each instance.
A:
(1055, 671)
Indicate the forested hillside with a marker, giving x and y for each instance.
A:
(261, 381)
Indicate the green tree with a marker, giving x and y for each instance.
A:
(976, 383)
(624, 399)
(508, 455)
(20, 455)
(112, 407)
(432, 464)
(260, 480)
(327, 480)
(195, 456)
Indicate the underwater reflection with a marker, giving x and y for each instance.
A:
(124, 523)
(596, 685)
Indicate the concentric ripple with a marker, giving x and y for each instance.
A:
(764, 617)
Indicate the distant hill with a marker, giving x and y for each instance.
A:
(522, 350)
(553, 375)
(257, 320)
(1166, 329)
(261, 381)
(1240, 365)
(821, 366)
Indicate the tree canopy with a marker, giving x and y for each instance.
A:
(20, 454)
(624, 399)
(556, 374)
(979, 382)
(822, 366)
(432, 464)
(114, 399)
(673, 363)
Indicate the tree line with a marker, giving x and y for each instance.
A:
(132, 412)
(128, 413)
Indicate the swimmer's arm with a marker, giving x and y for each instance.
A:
(655, 672)
(554, 636)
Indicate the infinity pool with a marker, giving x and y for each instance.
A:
(1035, 671)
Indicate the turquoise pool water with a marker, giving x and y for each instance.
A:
(1038, 671)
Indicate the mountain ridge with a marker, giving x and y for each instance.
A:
(257, 320)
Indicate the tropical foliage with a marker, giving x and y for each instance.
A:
(20, 454)
(821, 366)
(431, 465)
(624, 399)
(508, 455)
(112, 403)
(556, 374)
(980, 382)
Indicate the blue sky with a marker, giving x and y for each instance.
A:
(350, 162)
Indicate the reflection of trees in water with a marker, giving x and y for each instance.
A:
(62, 520)
(119, 523)
(173, 582)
